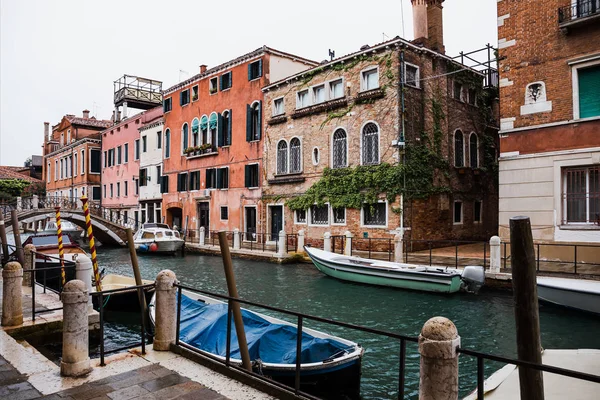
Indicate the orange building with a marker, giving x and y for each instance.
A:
(71, 153)
(213, 144)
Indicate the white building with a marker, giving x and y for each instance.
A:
(151, 163)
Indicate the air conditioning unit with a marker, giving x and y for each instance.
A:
(207, 192)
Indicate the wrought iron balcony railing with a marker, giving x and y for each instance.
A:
(580, 10)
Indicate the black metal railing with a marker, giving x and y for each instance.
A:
(426, 247)
(580, 9)
(253, 241)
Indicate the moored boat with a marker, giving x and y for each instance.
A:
(157, 238)
(330, 366)
(398, 275)
(66, 227)
(126, 300)
(573, 293)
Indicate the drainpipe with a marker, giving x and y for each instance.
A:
(402, 136)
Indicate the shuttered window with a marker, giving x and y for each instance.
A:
(251, 176)
(182, 181)
(589, 92)
(164, 184)
(253, 121)
(211, 178)
(222, 178)
(255, 70)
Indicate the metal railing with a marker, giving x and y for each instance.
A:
(581, 9)
(438, 259)
(253, 241)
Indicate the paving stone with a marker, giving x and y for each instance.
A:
(115, 378)
(25, 395)
(6, 367)
(127, 393)
(172, 392)
(92, 392)
(55, 396)
(133, 380)
(5, 390)
(204, 394)
(165, 381)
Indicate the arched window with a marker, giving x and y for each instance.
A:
(459, 149)
(253, 127)
(226, 129)
(295, 156)
(204, 129)
(340, 146)
(282, 157)
(195, 129)
(474, 151)
(167, 143)
(184, 136)
(212, 126)
(370, 144)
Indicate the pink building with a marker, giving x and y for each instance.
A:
(122, 147)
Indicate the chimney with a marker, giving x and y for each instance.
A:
(46, 131)
(428, 24)
(118, 117)
(86, 113)
(203, 68)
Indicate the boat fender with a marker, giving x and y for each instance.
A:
(153, 247)
(143, 247)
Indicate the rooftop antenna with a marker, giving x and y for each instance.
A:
(183, 72)
(384, 36)
(332, 54)
(402, 16)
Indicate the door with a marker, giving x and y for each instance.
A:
(150, 208)
(204, 217)
(276, 221)
(251, 224)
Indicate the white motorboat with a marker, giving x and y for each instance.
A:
(66, 227)
(157, 238)
(574, 293)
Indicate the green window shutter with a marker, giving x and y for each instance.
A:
(230, 79)
(180, 98)
(589, 92)
(250, 71)
(229, 128)
(221, 82)
(246, 175)
(220, 130)
(248, 123)
(220, 178)
(260, 67)
(259, 133)
(179, 183)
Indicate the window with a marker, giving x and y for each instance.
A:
(212, 85)
(225, 129)
(589, 89)
(194, 180)
(184, 97)
(375, 214)
(68, 136)
(300, 216)
(255, 70)
(302, 99)
(48, 173)
(472, 94)
(182, 181)
(319, 215)
(159, 140)
(211, 178)
(251, 176)
(224, 213)
(94, 161)
(295, 156)
(195, 93)
(477, 216)
(282, 157)
(136, 155)
(167, 105)
(411, 75)
(223, 178)
(144, 144)
(164, 184)
(473, 151)
(195, 132)
(581, 195)
(253, 121)
(339, 215)
(119, 155)
(278, 108)
(56, 170)
(158, 173)
(225, 81)
(126, 188)
(75, 164)
(82, 162)
(137, 187)
(457, 91)
(126, 152)
(336, 89)
(370, 144)
(143, 176)
(105, 158)
(318, 94)
(104, 191)
(370, 79)
(213, 122)
(96, 192)
(316, 157)
(167, 143)
(110, 157)
(458, 212)
(111, 190)
(184, 137)
(204, 129)
(340, 149)
(62, 139)
(459, 149)
(118, 189)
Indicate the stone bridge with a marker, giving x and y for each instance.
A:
(108, 229)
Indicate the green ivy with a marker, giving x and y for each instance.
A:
(13, 187)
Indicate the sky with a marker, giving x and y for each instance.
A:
(62, 56)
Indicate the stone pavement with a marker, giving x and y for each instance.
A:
(14, 385)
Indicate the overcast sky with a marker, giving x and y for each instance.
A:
(60, 57)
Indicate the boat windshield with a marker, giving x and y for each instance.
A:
(176, 233)
(153, 225)
(49, 240)
(159, 234)
(168, 233)
(147, 235)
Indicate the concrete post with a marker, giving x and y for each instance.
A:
(348, 246)
(398, 248)
(12, 301)
(19, 204)
(327, 241)
(83, 272)
(495, 258)
(438, 342)
(281, 244)
(29, 263)
(75, 348)
(236, 239)
(35, 202)
(300, 240)
(202, 236)
(166, 310)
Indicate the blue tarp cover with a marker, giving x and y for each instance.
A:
(205, 326)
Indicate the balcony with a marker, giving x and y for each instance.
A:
(582, 13)
(200, 151)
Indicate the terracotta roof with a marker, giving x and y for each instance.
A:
(7, 172)
(96, 123)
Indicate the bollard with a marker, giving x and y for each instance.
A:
(166, 310)
(75, 348)
(202, 236)
(83, 272)
(301, 240)
(12, 302)
(281, 240)
(19, 205)
(495, 258)
(438, 342)
(398, 248)
(327, 241)
(35, 202)
(348, 246)
(236, 239)
(29, 264)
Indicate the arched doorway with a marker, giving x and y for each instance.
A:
(174, 217)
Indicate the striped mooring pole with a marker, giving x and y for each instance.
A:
(90, 235)
(61, 252)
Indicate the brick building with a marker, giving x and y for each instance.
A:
(212, 150)
(550, 117)
(72, 156)
(342, 121)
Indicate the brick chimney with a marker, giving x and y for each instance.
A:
(86, 113)
(203, 68)
(428, 24)
(46, 132)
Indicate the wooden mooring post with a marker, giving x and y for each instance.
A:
(527, 316)
(17, 235)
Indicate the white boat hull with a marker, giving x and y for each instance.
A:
(572, 293)
(164, 246)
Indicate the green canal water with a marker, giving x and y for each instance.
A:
(485, 322)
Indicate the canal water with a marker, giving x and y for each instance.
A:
(485, 322)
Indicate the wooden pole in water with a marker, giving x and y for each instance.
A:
(4, 241)
(17, 235)
(235, 306)
(136, 269)
(527, 315)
